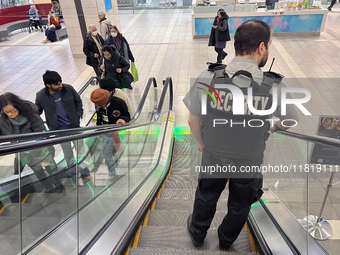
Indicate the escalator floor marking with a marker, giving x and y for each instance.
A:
(251, 239)
(2, 209)
(24, 200)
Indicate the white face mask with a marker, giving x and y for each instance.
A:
(94, 33)
(114, 34)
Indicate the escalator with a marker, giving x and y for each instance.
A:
(8, 185)
(31, 212)
(164, 230)
(145, 210)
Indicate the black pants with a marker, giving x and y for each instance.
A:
(97, 71)
(332, 4)
(220, 55)
(243, 192)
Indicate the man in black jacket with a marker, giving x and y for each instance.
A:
(63, 110)
(93, 43)
(110, 110)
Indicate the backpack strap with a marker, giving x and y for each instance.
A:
(253, 84)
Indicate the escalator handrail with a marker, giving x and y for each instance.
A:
(313, 139)
(28, 145)
(151, 81)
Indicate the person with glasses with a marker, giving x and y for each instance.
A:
(19, 116)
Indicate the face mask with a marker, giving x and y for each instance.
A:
(114, 34)
(94, 33)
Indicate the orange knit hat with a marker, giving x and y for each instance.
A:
(100, 97)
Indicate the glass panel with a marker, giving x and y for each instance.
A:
(285, 173)
(324, 197)
(118, 162)
(110, 184)
(10, 237)
(51, 193)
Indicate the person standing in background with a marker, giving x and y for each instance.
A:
(118, 41)
(93, 43)
(104, 25)
(220, 34)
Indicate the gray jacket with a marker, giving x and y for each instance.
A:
(104, 30)
(71, 102)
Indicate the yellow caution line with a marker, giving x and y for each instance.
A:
(127, 251)
(136, 239)
(24, 200)
(2, 209)
(251, 239)
(146, 219)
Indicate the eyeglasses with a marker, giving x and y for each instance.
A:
(13, 111)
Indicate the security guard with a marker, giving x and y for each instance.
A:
(232, 145)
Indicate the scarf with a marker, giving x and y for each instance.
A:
(118, 43)
(17, 123)
(99, 45)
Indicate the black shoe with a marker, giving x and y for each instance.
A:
(194, 242)
(224, 248)
(130, 87)
(224, 55)
(329, 8)
(60, 189)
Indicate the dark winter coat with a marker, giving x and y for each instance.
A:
(71, 102)
(90, 48)
(34, 124)
(115, 111)
(220, 35)
(116, 61)
(123, 44)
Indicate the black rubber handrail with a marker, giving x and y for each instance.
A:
(313, 139)
(29, 145)
(46, 134)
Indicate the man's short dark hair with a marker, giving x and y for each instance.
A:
(51, 77)
(249, 35)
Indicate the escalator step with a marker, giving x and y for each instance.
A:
(178, 218)
(171, 251)
(185, 194)
(178, 238)
(183, 172)
(187, 149)
(181, 185)
(178, 178)
(185, 162)
(185, 139)
(176, 204)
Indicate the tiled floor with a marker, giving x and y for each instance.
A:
(162, 43)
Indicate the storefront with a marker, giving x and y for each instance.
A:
(293, 22)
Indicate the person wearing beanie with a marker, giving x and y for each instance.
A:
(110, 110)
(111, 85)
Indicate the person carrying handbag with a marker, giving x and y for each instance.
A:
(115, 66)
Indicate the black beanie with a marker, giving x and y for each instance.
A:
(108, 84)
